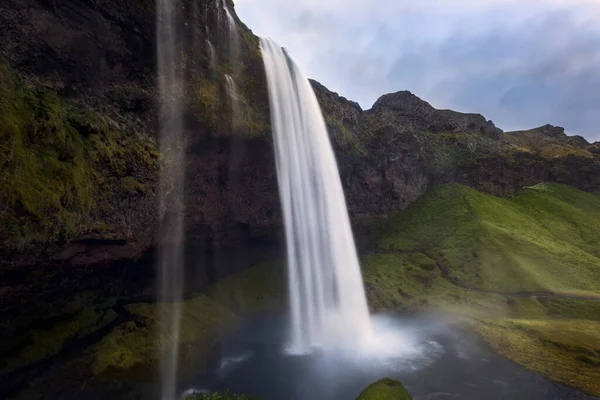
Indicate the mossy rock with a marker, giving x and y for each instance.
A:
(40, 344)
(131, 350)
(260, 288)
(62, 167)
(385, 389)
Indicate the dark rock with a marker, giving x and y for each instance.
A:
(551, 130)
(577, 141)
(415, 115)
(594, 148)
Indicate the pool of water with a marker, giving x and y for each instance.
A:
(433, 358)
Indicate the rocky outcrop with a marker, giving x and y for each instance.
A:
(412, 114)
(403, 145)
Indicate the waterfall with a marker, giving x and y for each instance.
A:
(327, 296)
(232, 91)
(234, 40)
(212, 54)
(171, 205)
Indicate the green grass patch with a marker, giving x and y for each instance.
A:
(385, 389)
(45, 343)
(543, 239)
(566, 351)
(131, 350)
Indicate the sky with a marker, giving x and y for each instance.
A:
(521, 63)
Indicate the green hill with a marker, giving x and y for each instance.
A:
(544, 239)
(525, 271)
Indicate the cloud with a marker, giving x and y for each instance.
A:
(522, 64)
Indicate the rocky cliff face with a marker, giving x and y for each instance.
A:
(90, 69)
(389, 155)
(97, 62)
(79, 159)
(78, 117)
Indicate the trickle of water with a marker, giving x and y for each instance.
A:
(212, 54)
(232, 91)
(234, 39)
(171, 206)
(327, 296)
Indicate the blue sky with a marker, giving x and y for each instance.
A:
(521, 63)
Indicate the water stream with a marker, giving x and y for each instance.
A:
(171, 205)
(326, 292)
(233, 93)
(234, 40)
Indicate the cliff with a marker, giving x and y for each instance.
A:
(79, 159)
(79, 113)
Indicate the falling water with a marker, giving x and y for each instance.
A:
(326, 290)
(234, 40)
(170, 268)
(232, 91)
(212, 54)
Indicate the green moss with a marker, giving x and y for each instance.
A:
(344, 136)
(130, 185)
(131, 350)
(260, 288)
(44, 343)
(206, 99)
(59, 165)
(462, 251)
(385, 389)
(563, 350)
(405, 281)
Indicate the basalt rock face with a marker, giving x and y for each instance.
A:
(97, 60)
(389, 155)
(412, 114)
(79, 154)
(100, 53)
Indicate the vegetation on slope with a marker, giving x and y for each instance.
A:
(549, 146)
(61, 165)
(525, 271)
(128, 351)
(543, 239)
(385, 389)
(565, 350)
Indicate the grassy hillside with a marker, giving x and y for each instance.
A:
(543, 239)
(525, 271)
(385, 389)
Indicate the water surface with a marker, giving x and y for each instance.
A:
(433, 358)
